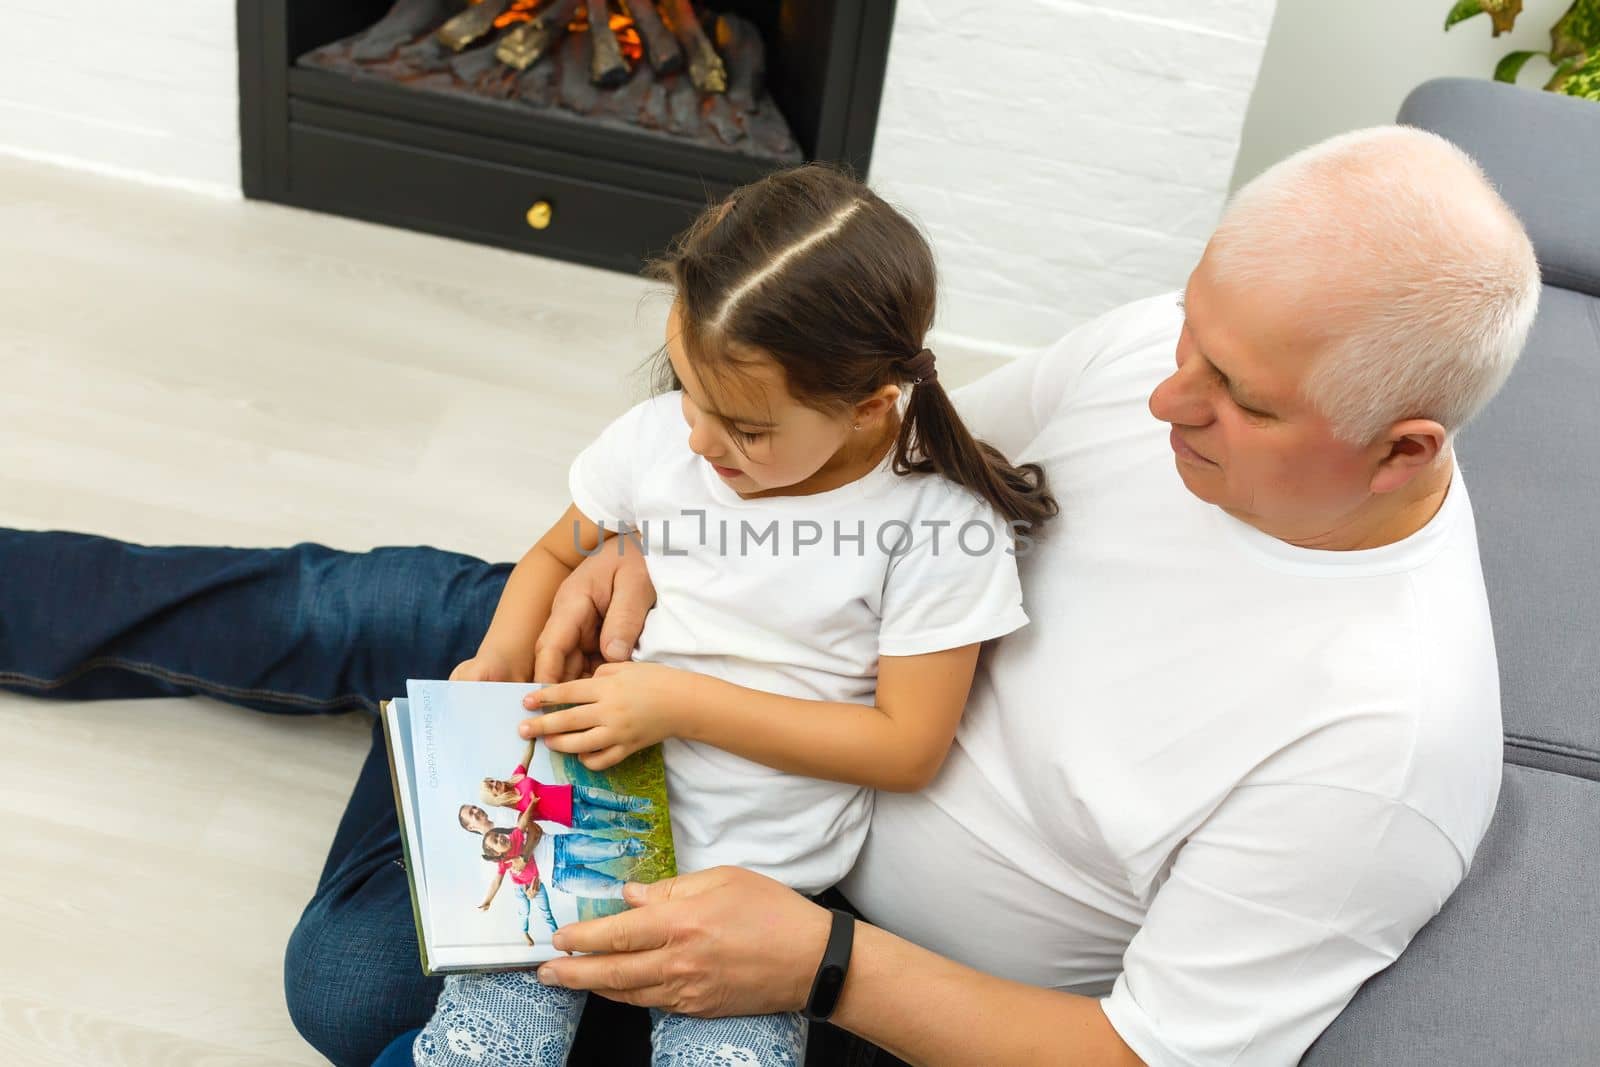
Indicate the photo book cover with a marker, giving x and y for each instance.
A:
(506, 840)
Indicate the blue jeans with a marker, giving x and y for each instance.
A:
(573, 852)
(525, 908)
(294, 630)
(601, 809)
(301, 630)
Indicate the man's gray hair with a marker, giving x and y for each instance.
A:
(1422, 280)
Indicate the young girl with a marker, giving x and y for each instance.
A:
(580, 806)
(570, 855)
(827, 553)
(513, 851)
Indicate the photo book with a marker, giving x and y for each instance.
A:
(506, 841)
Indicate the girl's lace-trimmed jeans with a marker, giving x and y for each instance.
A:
(509, 1018)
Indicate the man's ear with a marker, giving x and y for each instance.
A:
(1407, 450)
(876, 406)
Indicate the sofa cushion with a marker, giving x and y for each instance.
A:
(1509, 971)
(1532, 464)
(1543, 152)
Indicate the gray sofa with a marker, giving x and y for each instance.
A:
(1509, 972)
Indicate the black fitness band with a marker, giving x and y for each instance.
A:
(829, 983)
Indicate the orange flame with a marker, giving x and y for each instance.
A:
(621, 25)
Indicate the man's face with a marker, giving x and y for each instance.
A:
(1243, 437)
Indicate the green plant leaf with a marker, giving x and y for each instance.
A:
(1558, 77)
(1463, 10)
(1509, 67)
(1584, 81)
(1503, 13)
(1577, 31)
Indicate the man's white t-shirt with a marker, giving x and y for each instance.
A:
(793, 595)
(1220, 777)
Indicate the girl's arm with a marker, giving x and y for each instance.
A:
(494, 887)
(525, 602)
(899, 744)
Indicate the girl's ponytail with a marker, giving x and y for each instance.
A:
(934, 434)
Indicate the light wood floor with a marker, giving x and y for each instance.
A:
(180, 370)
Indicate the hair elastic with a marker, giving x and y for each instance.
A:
(921, 368)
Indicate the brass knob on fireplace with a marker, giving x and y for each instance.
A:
(540, 214)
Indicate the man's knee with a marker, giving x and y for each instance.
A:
(394, 613)
(352, 985)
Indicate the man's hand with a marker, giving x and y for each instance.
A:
(721, 942)
(489, 666)
(597, 614)
(625, 707)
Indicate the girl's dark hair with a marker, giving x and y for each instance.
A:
(812, 268)
(496, 834)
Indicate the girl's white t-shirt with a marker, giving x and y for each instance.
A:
(797, 596)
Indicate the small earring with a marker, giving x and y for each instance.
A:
(856, 426)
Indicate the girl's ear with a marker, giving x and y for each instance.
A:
(877, 406)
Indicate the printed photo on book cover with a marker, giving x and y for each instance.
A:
(521, 845)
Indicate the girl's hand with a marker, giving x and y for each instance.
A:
(488, 666)
(625, 707)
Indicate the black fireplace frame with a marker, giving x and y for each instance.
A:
(469, 169)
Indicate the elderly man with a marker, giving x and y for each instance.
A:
(1252, 738)
(1246, 749)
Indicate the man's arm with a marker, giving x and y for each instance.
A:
(929, 1010)
(529, 593)
(1275, 911)
(731, 942)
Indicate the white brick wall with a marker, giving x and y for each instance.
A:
(146, 89)
(1066, 155)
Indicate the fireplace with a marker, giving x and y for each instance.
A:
(413, 113)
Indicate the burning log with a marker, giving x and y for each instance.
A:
(607, 68)
(522, 47)
(524, 51)
(705, 67)
(746, 58)
(660, 47)
(406, 21)
(473, 23)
